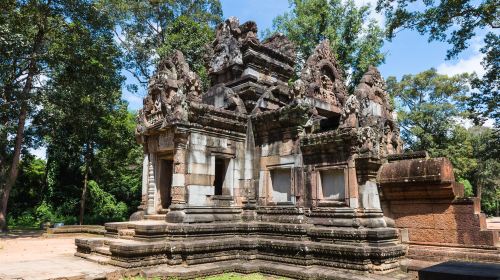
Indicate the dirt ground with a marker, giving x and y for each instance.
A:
(29, 255)
(493, 223)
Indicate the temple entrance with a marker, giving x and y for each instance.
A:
(166, 171)
(221, 165)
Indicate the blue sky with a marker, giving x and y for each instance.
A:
(408, 53)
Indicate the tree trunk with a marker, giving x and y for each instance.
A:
(84, 193)
(88, 158)
(14, 166)
(479, 191)
(23, 113)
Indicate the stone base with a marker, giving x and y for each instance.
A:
(347, 217)
(155, 243)
(444, 253)
(269, 268)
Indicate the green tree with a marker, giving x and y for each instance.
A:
(431, 108)
(486, 177)
(429, 105)
(84, 89)
(148, 30)
(27, 193)
(456, 22)
(30, 33)
(354, 38)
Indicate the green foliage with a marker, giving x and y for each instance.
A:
(484, 101)
(468, 191)
(28, 192)
(104, 205)
(74, 109)
(353, 38)
(430, 110)
(456, 22)
(148, 30)
(25, 220)
(191, 38)
(486, 176)
(428, 106)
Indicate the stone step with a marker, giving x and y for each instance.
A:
(103, 250)
(157, 217)
(100, 259)
(126, 232)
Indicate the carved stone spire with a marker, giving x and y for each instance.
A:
(170, 89)
(376, 111)
(323, 77)
(226, 46)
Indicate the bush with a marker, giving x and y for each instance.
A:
(25, 220)
(468, 190)
(104, 206)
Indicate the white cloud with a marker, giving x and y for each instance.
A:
(464, 65)
(470, 64)
(40, 153)
(379, 17)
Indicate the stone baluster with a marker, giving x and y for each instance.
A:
(151, 190)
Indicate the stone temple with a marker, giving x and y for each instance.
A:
(298, 179)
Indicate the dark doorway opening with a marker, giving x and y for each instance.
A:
(166, 172)
(220, 174)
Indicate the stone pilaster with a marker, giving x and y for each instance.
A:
(178, 190)
(178, 177)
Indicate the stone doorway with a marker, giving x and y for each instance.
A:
(165, 186)
(221, 165)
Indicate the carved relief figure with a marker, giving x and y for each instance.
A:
(350, 113)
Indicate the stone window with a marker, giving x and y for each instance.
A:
(281, 183)
(221, 165)
(332, 184)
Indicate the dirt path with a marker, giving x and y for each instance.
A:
(493, 223)
(30, 256)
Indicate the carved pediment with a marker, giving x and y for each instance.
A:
(280, 43)
(374, 100)
(170, 89)
(322, 76)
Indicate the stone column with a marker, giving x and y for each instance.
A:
(178, 191)
(145, 175)
(150, 210)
